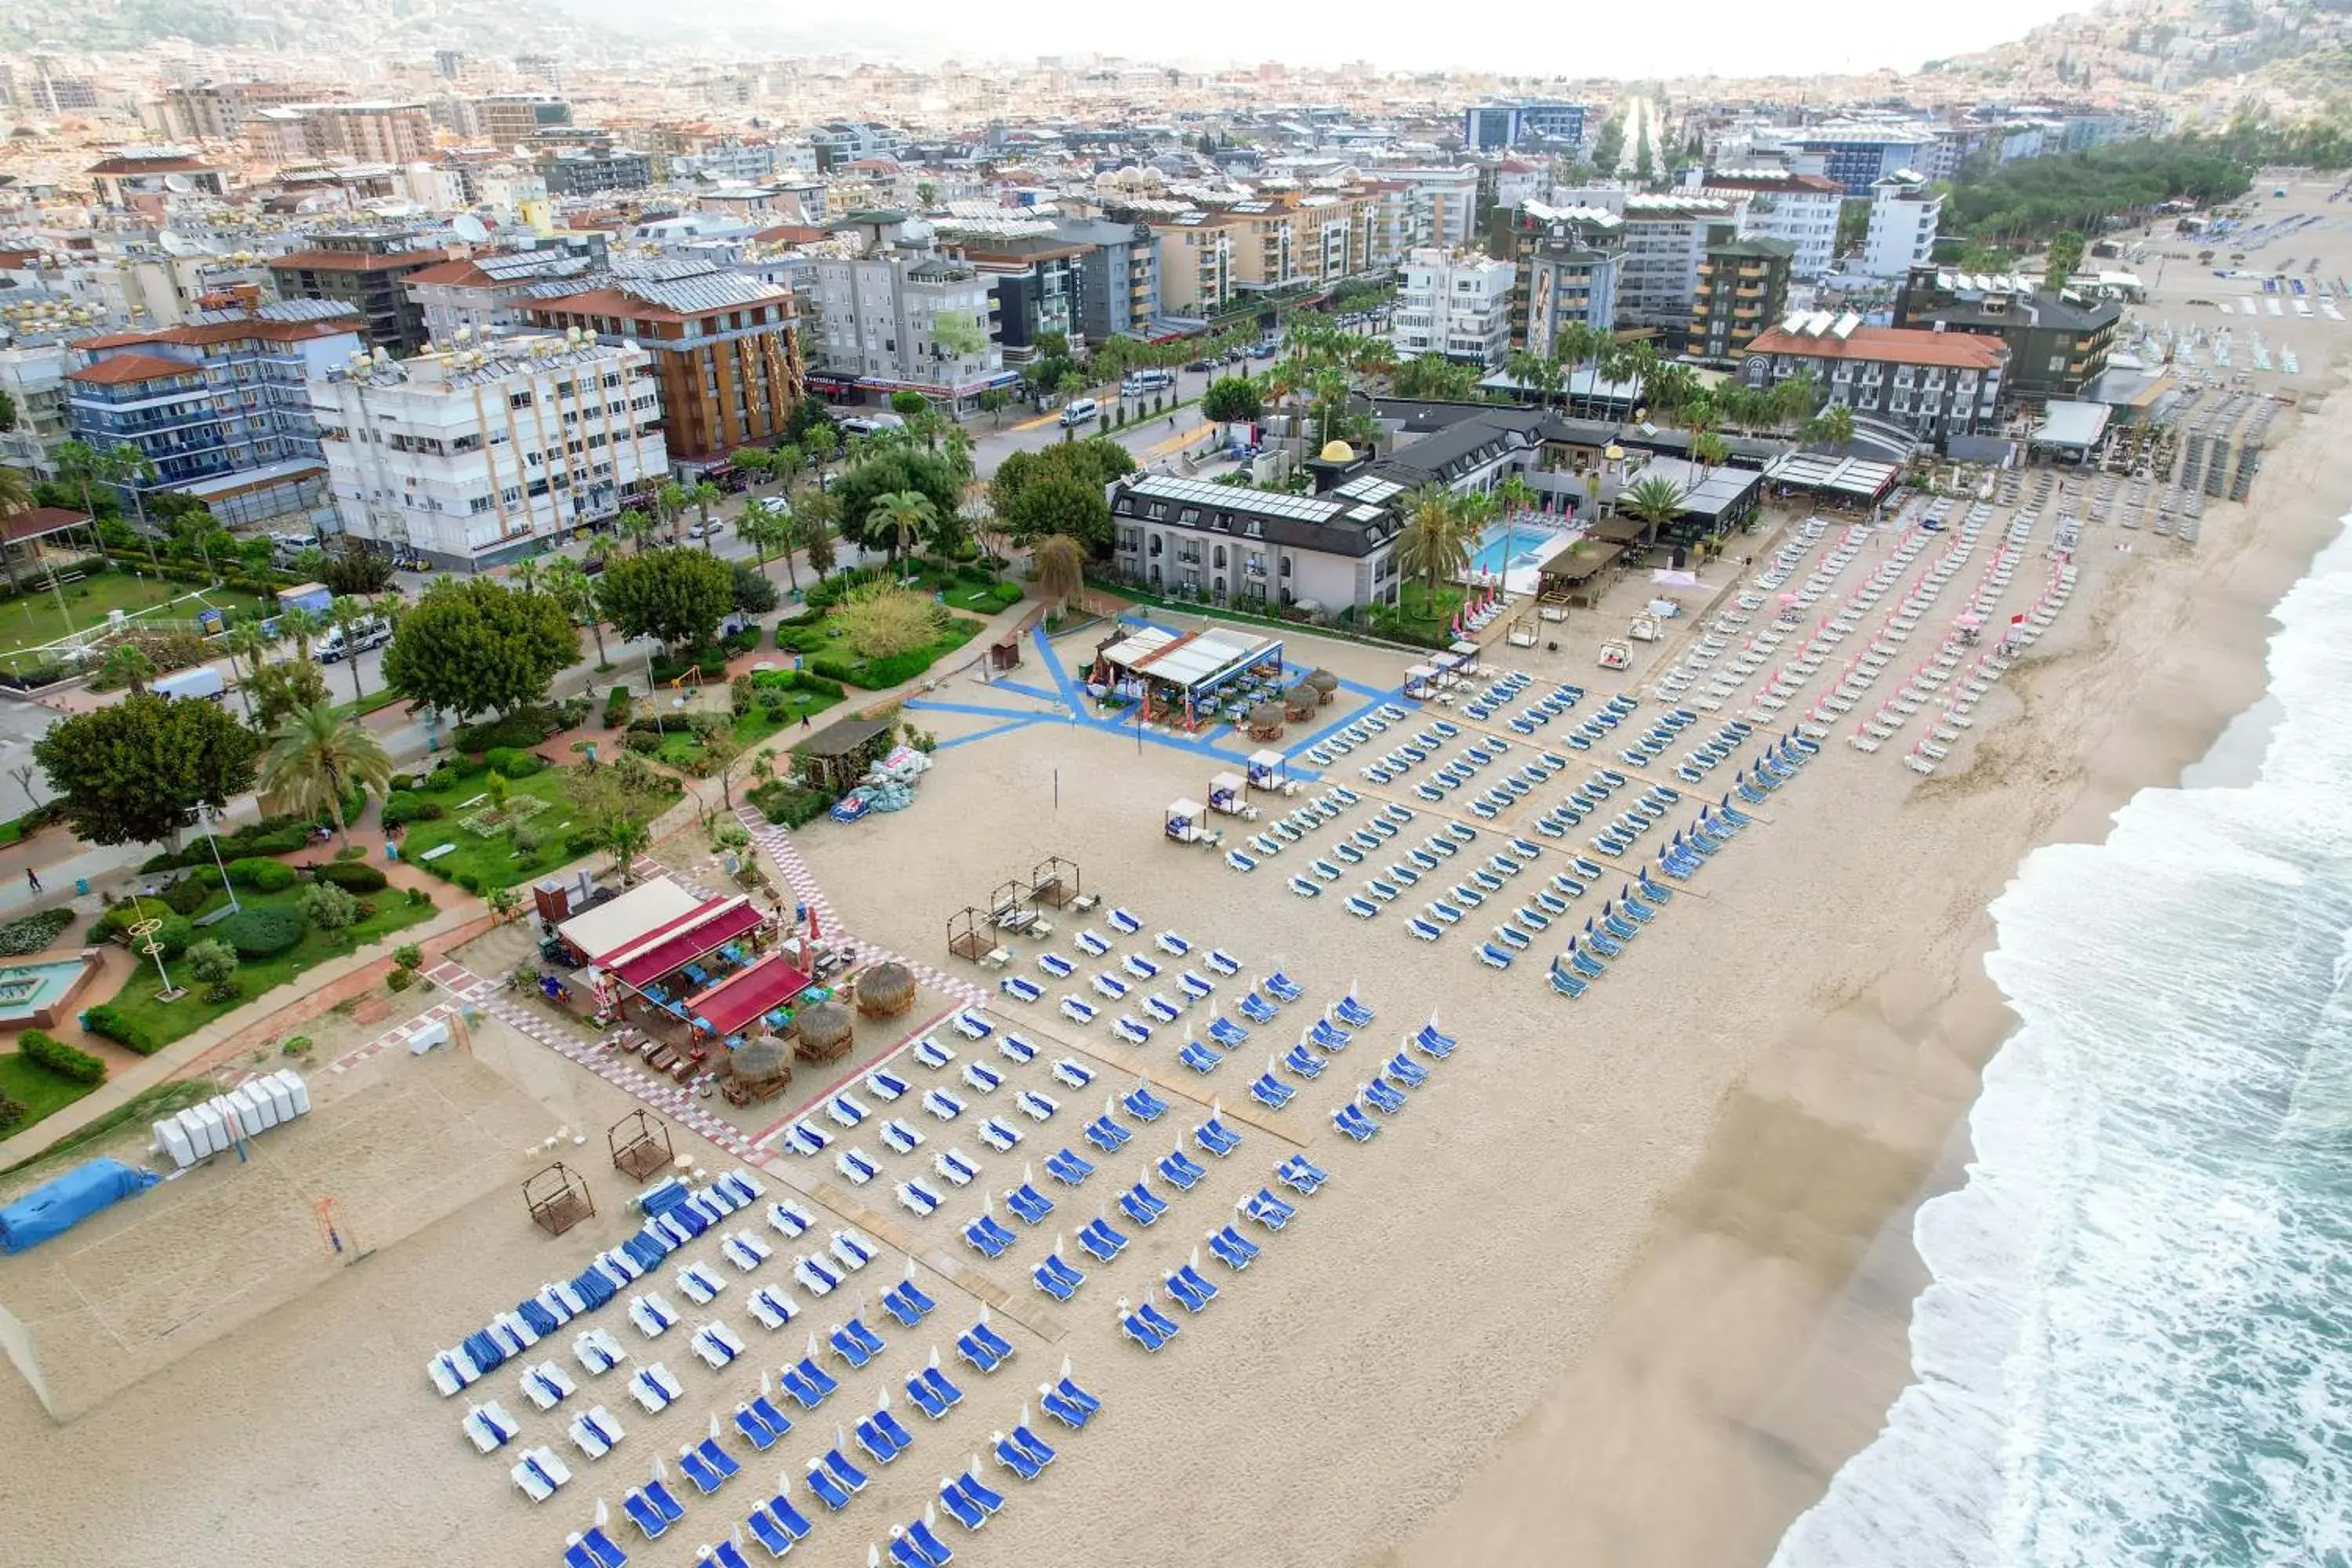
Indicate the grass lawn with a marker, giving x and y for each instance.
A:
(38, 1090)
(32, 618)
(874, 674)
(168, 1020)
(683, 751)
(1418, 615)
(487, 859)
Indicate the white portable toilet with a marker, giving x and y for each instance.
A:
(282, 1099)
(173, 1139)
(428, 1036)
(203, 1134)
(252, 1112)
(297, 1088)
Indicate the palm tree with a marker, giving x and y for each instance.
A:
(1833, 426)
(1656, 501)
(524, 573)
(574, 589)
(786, 464)
(629, 838)
(702, 495)
(822, 442)
(128, 663)
(77, 464)
(1535, 374)
(299, 627)
(347, 612)
(15, 496)
(126, 468)
(636, 526)
(1436, 543)
(755, 463)
(762, 527)
(905, 513)
(669, 505)
(1060, 561)
(813, 518)
(1707, 450)
(318, 757)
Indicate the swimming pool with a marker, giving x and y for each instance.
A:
(36, 994)
(1507, 545)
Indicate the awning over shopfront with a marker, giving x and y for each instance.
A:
(708, 928)
(742, 998)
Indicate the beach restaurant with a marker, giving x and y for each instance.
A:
(694, 966)
(1192, 678)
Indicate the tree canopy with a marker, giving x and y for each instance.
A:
(896, 468)
(2034, 198)
(476, 647)
(677, 597)
(130, 773)
(1232, 400)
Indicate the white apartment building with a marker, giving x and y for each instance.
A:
(1904, 213)
(880, 314)
(33, 374)
(468, 458)
(1456, 304)
(1444, 201)
(1802, 209)
(1665, 240)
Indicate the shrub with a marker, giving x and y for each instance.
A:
(52, 1055)
(105, 1021)
(187, 895)
(646, 742)
(260, 875)
(12, 1114)
(328, 907)
(408, 955)
(400, 980)
(522, 728)
(713, 662)
(265, 932)
(353, 876)
(419, 898)
(743, 695)
(399, 809)
(212, 960)
(525, 839)
(115, 925)
(298, 1046)
(514, 762)
(617, 704)
(31, 933)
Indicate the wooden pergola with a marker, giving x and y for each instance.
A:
(640, 1145)
(1054, 881)
(558, 1198)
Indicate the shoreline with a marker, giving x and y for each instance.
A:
(1714, 1468)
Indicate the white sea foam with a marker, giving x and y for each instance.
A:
(2137, 1345)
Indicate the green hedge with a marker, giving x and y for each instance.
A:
(173, 936)
(401, 807)
(187, 895)
(104, 1021)
(789, 804)
(261, 932)
(261, 875)
(514, 762)
(353, 876)
(55, 1056)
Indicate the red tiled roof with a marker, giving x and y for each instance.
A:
(1893, 345)
(122, 368)
(153, 166)
(788, 234)
(464, 274)
(197, 336)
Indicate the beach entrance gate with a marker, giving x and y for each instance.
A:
(557, 1199)
(1054, 881)
(640, 1144)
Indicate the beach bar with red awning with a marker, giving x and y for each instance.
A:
(709, 927)
(744, 997)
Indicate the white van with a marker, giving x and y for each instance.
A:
(369, 631)
(1079, 411)
(870, 424)
(185, 685)
(1144, 382)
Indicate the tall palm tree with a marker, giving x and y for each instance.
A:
(822, 442)
(1707, 450)
(128, 663)
(1833, 426)
(15, 496)
(126, 468)
(904, 514)
(1435, 545)
(1061, 569)
(1656, 501)
(574, 589)
(524, 573)
(702, 495)
(762, 526)
(636, 527)
(299, 627)
(814, 516)
(318, 757)
(669, 505)
(786, 464)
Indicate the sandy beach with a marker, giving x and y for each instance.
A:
(1623, 1283)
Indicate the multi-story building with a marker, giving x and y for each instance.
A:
(217, 404)
(485, 294)
(470, 456)
(1036, 285)
(591, 171)
(1456, 304)
(510, 120)
(1227, 544)
(841, 142)
(216, 110)
(1779, 204)
(1665, 240)
(725, 160)
(1565, 261)
(365, 132)
(1196, 262)
(1858, 156)
(1904, 213)
(1491, 127)
(149, 177)
(2058, 344)
(722, 348)
(1743, 287)
(33, 375)
(1444, 202)
(1121, 291)
(880, 316)
(364, 271)
(1931, 385)
(1395, 220)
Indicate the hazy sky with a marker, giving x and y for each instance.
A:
(1725, 37)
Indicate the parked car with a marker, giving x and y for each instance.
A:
(369, 631)
(713, 529)
(1200, 365)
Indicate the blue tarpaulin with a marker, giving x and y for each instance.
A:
(59, 1205)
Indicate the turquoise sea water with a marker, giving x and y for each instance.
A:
(2136, 1346)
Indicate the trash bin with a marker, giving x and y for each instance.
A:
(82, 886)
(391, 850)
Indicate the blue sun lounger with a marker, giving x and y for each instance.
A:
(1141, 1204)
(1199, 1058)
(1028, 1204)
(1232, 1249)
(1107, 1135)
(956, 1497)
(1226, 1033)
(1350, 1120)
(1303, 1062)
(1178, 1170)
(594, 1549)
(1189, 1290)
(1057, 1278)
(1255, 1008)
(1147, 1327)
(1143, 1105)
(1301, 1175)
(1271, 1091)
(1068, 1168)
(1384, 1097)
(652, 1509)
(697, 1467)
(983, 1346)
(776, 1524)
(933, 1395)
(809, 1383)
(761, 1422)
(1101, 1242)
(987, 1237)
(1215, 1139)
(1266, 1209)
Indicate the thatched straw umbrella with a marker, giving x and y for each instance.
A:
(886, 991)
(1301, 700)
(1266, 722)
(757, 1069)
(1324, 682)
(825, 1029)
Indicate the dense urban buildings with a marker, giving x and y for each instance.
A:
(1928, 383)
(1458, 304)
(2058, 344)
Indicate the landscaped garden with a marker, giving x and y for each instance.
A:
(286, 923)
(30, 1091)
(761, 704)
(30, 617)
(512, 817)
